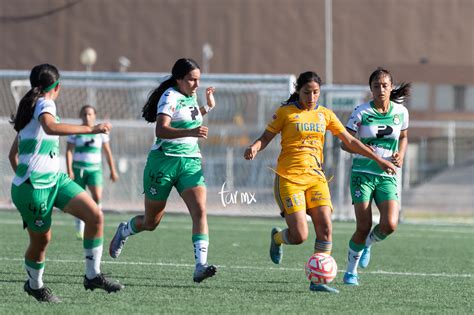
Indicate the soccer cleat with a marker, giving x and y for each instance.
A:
(276, 251)
(350, 279)
(101, 282)
(322, 288)
(116, 245)
(203, 272)
(42, 295)
(364, 258)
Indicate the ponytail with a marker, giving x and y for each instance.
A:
(293, 98)
(43, 78)
(26, 109)
(149, 111)
(397, 95)
(400, 94)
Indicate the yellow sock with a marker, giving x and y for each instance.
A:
(278, 238)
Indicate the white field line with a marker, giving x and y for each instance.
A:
(161, 264)
(233, 227)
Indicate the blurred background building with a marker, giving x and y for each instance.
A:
(427, 42)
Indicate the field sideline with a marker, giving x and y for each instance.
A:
(421, 269)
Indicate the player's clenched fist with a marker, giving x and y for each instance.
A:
(200, 132)
(102, 128)
(250, 153)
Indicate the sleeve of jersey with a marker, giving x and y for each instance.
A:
(105, 137)
(71, 139)
(45, 106)
(354, 121)
(335, 125)
(276, 125)
(166, 104)
(405, 119)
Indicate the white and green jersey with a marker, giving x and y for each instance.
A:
(380, 131)
(38, 152)
(185, 114)
(88, 150)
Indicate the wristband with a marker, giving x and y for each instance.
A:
(207, 108)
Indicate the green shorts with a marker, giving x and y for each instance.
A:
(163, 172)
(36, 205)
(365, 187)
(85, 177)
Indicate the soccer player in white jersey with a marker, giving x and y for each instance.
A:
(381, 124)
(38, 186)
(175, 160)
(84, 160)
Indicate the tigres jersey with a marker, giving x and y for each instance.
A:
(302, 139)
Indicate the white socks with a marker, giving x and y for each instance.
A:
(35, 277)
(93, 258)
(200, 251)
(353, 260)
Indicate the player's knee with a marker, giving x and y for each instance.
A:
(95, 218)
(44, 241)
(40, 242)
(199, 215)
(324, 231)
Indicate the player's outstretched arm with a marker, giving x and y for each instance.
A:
(51, 127)
(356, 146)
(259, 144)
(345, 148)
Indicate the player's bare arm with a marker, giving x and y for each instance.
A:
(356, 146)
(259, 144)
(13, 154)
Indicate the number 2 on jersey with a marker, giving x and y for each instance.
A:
(194, 112)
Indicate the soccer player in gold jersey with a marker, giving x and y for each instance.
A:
(300, 185)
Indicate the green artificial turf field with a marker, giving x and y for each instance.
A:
(419, 269)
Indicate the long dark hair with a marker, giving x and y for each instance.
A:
(303, 78)
(180, 69)
(41, 78)
(399, 94)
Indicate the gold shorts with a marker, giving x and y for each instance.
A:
(292, 197)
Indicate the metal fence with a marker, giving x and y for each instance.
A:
(245, 105)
